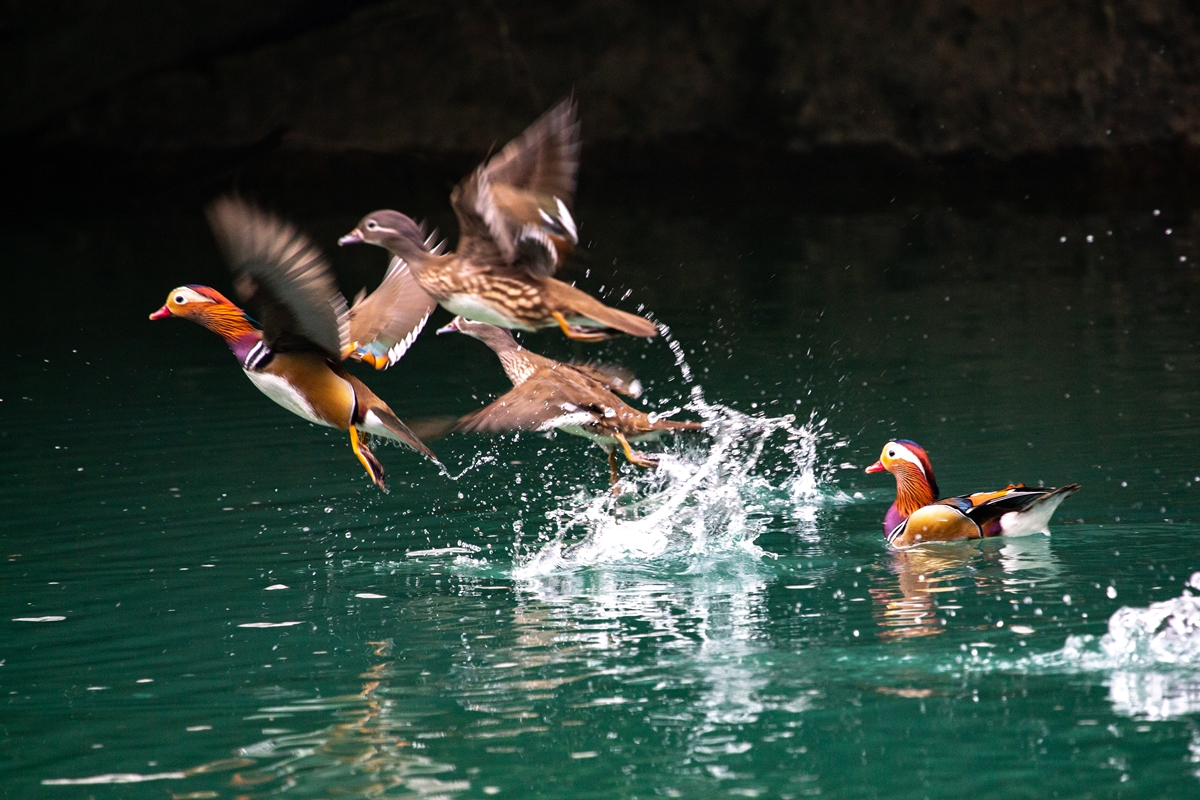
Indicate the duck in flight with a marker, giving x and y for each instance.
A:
(307, 329)
(515, 231)
(579, 399)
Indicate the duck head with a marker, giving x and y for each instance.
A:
(916, 486)
(192, 302)
(390, 230)
(208, 307)
(491, 335)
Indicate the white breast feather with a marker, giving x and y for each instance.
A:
(283, 393)
(471, 307)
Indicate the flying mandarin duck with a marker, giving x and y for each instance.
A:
(515, 231)
(918, 516)
(295, 357)
(579, 399)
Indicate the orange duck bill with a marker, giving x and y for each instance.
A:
(918, 517)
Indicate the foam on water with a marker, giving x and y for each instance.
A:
(1153, 654)
(1164, 634)
(711, 495)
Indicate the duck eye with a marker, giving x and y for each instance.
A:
(180, 299)
(891, 453)
(372, 225)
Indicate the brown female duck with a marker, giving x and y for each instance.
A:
(579, 399)
(515, 231)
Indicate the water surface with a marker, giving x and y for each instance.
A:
(205, 597)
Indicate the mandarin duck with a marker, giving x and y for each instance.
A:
(918, 516)
(515, 231)
(579, 399)
(307, 328)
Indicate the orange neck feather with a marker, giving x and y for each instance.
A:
(912, 489)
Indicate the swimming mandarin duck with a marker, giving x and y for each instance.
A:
(307, 328)
(579, 399)
(918, 516)
(515, 231)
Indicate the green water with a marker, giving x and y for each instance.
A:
(732, 626)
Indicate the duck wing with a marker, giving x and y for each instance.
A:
(281, 273)
(385, 323)
(514, 209)
(538, 404)
(612, 377)
(1031, 508)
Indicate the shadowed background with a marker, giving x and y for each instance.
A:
(968, 223)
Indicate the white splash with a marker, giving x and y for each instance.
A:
(713, 494)
(1153, 653)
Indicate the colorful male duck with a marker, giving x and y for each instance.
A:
(515, 230)
(578, 399)
(307, 328)
(918, 516)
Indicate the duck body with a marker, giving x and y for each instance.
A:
(294, 358)
(579, 399)
(918, 517)
(516, 230)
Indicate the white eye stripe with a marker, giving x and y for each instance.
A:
(904, 454)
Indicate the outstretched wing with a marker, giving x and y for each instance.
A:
(535, 405)
(612, 377)
(283, 275)
(385, 323)
(515, 208)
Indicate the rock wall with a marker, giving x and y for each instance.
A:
(927, 78)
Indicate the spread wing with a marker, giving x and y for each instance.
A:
(514, 209)
(536, 405)
(612, 377)
(385, 323)
(283, 275)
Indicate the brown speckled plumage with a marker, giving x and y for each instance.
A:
(576, 399)
(515, 231)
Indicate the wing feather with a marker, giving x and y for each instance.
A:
(529, 183)
(386, 322)
(284, 275)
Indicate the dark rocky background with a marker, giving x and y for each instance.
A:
(1083, 104)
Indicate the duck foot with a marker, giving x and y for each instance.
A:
(581, 334)
(634, 457)
(359, 444)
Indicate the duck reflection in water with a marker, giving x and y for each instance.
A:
(368, 754)
(917, 605)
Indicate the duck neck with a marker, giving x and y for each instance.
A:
(514, 358)
(231, 324)
(913, 491)
(413, 253)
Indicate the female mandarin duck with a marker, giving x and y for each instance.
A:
(918, 516)
(307, 328)
(515, 230)
(578, 399)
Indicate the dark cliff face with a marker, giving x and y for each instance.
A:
(922, 82)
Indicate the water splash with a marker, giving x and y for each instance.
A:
(1164, 634)
(706, 498)
(1153, 654)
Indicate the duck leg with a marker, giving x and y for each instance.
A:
(367, 459)
(614, 471)
(576, 332)
(639, 459)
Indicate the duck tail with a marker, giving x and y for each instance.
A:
(1022, 513)
(582, 304)
(676, 425)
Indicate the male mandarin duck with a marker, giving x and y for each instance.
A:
(918, 516)
(579, 399)
(294, 358)
(515, 231)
